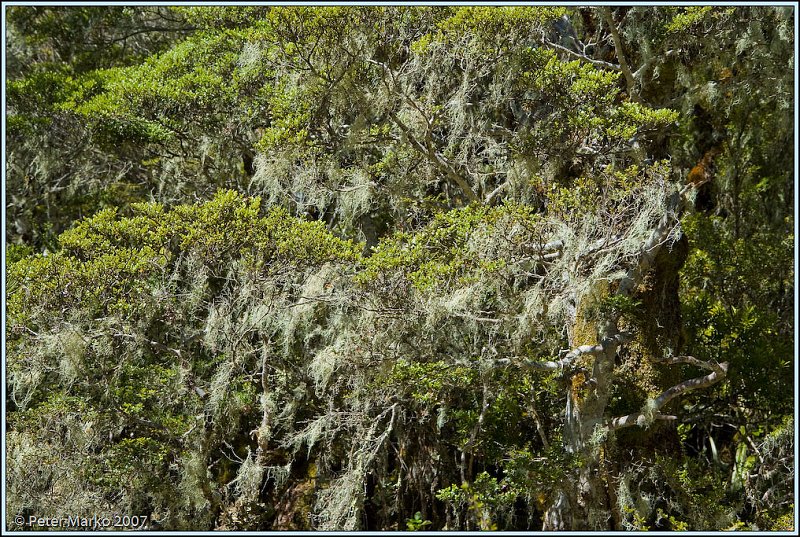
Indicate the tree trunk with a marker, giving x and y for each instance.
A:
(584, 502)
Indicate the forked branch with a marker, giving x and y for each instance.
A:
(571, 356)
(718, 372)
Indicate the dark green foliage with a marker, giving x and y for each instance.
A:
(290, 268)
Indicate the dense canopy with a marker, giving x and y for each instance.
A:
(400, 268)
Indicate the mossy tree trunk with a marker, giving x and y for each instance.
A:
(587, 500)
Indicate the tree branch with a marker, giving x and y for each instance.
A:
(436, 158)
(148, 30)
(566, 360)
(427, 149)
(552, 246)
(656, 240)
(578, 55)
(490, 197)
(623, 63)
(557, 365)
(718, 372)
(635, 419)
(652, 246)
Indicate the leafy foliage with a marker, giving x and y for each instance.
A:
(334, 268)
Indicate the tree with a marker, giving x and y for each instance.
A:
(58, 167)
(496, 231)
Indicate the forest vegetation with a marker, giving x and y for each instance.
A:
(401, 268)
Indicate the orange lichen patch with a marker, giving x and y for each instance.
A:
(703, 170)
(698, 175)
(578, 382)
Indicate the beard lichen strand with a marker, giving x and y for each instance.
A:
(586, 407)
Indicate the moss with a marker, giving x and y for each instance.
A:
(585, 329)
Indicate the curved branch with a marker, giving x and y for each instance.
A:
(718, 372)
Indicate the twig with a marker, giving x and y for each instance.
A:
(599, 63)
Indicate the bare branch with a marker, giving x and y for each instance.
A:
(556, 245)
(636, 419)
(552, 256)
(572, 53)
(623, 63)
(718, 372)
(494, 193)
(548, 252)
(556, 365)
(671, 360)
(538, 421)
(435, 157)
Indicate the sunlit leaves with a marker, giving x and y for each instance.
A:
(443, 255)
(104, 262)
